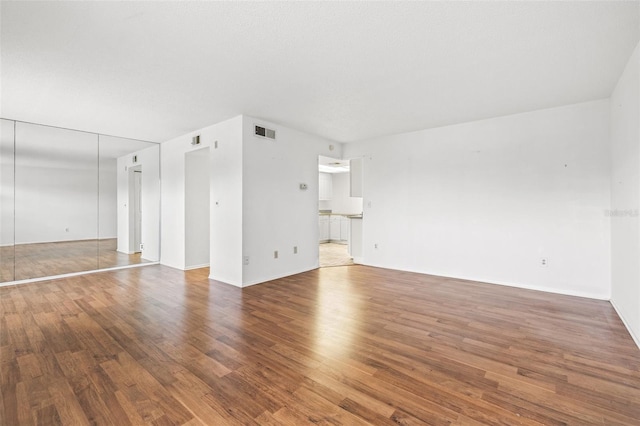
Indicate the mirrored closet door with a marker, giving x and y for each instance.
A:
(75, 201)
(7, 255)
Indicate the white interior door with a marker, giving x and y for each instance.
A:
(137, 211)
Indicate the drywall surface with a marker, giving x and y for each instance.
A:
(147, 161)
(226, 201)
(342, 202)
(625, 196)
(55, 203)
(277, 214)
(196, 208)
(489, 200)
(108, 198)
(256, 204)
(225, 226)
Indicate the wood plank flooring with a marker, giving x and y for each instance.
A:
(26, 261)
(347, 345)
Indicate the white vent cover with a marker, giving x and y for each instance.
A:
(263, 132)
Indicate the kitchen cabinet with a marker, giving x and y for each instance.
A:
(323, 228)
(334, 228)
(325, 184)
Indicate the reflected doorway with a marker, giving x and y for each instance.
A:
(135, 217)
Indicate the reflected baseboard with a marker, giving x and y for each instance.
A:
(127, 252)
(75, 274)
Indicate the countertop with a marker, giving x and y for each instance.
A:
(349, 215)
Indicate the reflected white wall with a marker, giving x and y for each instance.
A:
(56, 183)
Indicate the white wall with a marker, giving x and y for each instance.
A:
(342, 202)
(226, 190)
(226, 201)
(487, 200)
(108, 202)
(50, 200)
(625, 195)
(148, 160)
(256, 205)
(277, 214)
(196, 207)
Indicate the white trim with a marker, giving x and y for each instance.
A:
(128, 252)
(588, 295)
(277, 277)
(204, 265)
(75, 274)
(635, 338)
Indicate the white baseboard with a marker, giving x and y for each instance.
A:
(204, 265)
(626, 324)
(587, 295)
(278, 276)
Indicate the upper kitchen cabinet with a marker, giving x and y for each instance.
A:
(355, 167)
(326, 186)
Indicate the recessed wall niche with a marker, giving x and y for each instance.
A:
(73, 201)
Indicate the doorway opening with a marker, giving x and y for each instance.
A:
(197, 208)
(135, 210)
(335, 209)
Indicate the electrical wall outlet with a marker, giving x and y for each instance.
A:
(245, 260)
(275, 254)
(544, 261)
(375, 246)
(295, 249)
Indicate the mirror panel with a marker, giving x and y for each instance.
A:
(73, 201)
(56, 201)
(6, 200)
(129, 225)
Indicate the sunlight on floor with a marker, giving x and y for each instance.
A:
(332, 254)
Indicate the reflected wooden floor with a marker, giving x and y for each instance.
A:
(355, 345)
(63, 257)
(333, 254)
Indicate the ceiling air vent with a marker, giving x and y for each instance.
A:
(264, 132)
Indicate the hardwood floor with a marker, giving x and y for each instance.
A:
(344, 345)
(26, 261)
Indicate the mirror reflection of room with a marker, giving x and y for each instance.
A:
(6, 200)
(337, 208)
(75, 201)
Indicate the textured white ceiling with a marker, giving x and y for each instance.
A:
(346, 71)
